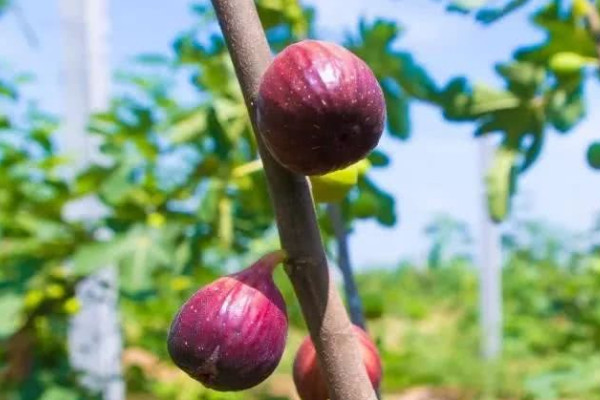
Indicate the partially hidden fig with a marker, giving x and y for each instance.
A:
(231, 334)
(308, 378)
(319, 108)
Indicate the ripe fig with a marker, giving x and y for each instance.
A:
(231, 334)
(319, 108)
(309, 381)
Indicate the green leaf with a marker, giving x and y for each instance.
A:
(566, 109)
(4, 5)
(90, 257)
(11, 306)
(490, 15)
(4, 122)
(397, 110)
(283, 13)
(8, 90)
(379, 159)
(524, 79)
(386, 213)
(500, 180)
(454, 99)
(189, 126)
(532, 151)
(486, 99)
(374, 46)
(59, 393)
(412, 78)
(117, 186)
(465, 6)
(372, 202)
(593, 155)
(461, 104)
(562, 36)
(91, 179)
(153, 59)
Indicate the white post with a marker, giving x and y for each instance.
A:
(490, 266)
(95, 341)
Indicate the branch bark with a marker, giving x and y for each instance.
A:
(323, 310)
(341, 236)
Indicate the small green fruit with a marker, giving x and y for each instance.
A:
(567, 62)
(334, 186)
(593, 155)
(363, 166)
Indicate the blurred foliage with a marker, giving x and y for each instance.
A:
(428, 328)
(177, 190)
(544, 88)
(183, 200)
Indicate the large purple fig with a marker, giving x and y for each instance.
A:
(319, 108)
(231, 334)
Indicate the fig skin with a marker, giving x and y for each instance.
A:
(319, 108)
(230, 335)
(308, 379)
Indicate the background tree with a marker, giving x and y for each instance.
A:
(184, 202)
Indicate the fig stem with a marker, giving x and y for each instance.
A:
(306, 264)
(271, 260)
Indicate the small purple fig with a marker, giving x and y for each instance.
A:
(231, 334)
(319, 108)
(308, 378)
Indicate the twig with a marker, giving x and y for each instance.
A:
(328, 323)
(341, 236)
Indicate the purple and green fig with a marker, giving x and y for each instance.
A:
(230, 335)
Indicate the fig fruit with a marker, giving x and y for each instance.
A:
(230, 335)
(308, 379)
(319, 108)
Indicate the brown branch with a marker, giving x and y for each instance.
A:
(328, 323)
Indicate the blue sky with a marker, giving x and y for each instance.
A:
(435, 172)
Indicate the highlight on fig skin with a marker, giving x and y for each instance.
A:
(308, 378)
(319, 108)
(231, 334)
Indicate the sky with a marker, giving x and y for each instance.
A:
(435, 172)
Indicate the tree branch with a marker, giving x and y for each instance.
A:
(328, 323)
(341, 236)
